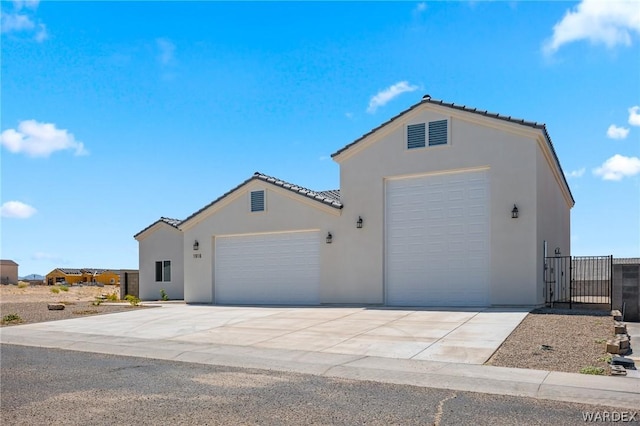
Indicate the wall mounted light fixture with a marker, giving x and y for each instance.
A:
(514, 212)
(196, 245)
(359, 222)
(329, 238)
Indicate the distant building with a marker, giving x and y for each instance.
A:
(8, 271)
(83, 275)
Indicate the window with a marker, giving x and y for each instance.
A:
(438, 134)
(163, 270)
(257, 201)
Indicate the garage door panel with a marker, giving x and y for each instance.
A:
(280, 268)
(445, 260)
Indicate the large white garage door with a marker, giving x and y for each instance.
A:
(279, 268)
(437, 240)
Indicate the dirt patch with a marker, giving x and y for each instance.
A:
(557, 340)
(28, 304)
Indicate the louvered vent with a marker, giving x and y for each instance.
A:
(415, 136)
(438, 132)
(257, 201)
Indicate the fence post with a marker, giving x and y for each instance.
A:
(570, 282)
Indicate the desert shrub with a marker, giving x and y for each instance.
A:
(163, 295)
(64, 288)
(132, 299)
(598, 371)
(97, 302)
(22, 284)
(55, 290)
(11, 319)
(112, 297)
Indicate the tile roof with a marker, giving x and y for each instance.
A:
(330, 198)
(428, 99)
(167, 220)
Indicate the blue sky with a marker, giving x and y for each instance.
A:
(117, 113)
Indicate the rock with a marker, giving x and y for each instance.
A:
(626, 363)
(619, 328)
(613, 347)
(617, 315)
(618, 370)
(55, 306)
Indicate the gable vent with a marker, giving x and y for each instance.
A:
(415, 136)
(257, 201)
(438, 132)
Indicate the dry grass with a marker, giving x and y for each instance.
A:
(557, 340)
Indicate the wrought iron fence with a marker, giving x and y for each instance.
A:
(579, 280)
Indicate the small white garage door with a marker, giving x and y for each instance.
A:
(437, 240)
(278, 268)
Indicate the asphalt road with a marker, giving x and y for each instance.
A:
(49, 386)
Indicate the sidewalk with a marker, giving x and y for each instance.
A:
(618, 392)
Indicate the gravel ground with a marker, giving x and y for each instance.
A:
(557, 340)
(30, 303)
(31, 312)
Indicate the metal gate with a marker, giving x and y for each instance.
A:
(578, 280)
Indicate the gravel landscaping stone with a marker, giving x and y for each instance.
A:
(557, 340)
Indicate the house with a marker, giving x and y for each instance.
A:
(83, 275)
(442, 205)
(8, 271)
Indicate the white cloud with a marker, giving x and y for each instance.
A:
(384, 96)
(167, 50)
(618, 167)
(30, 4)
(608, 22)
(40, 139)
(615, 132)
(17, 210)
(14, 22)
(20, 20)
(634, 116)
(420, 7)
(576, 173)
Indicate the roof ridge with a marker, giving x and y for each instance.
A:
(314, 195)
(428, 99)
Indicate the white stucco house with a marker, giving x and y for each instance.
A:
(442, 205)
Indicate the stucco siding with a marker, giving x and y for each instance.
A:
(163, 243)
(284, 212)
(553, 222)
(508, 157)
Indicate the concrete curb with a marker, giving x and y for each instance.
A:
(619, 392)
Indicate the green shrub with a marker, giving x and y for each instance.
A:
(11, 319)
(97, 302)
(112, 297)
(132, 299)
(163, 295)
(598, 371)
(22, 284)
(55, 290)
(606, 358)
(64, 288)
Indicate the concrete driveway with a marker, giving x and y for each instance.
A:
(467, 336)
